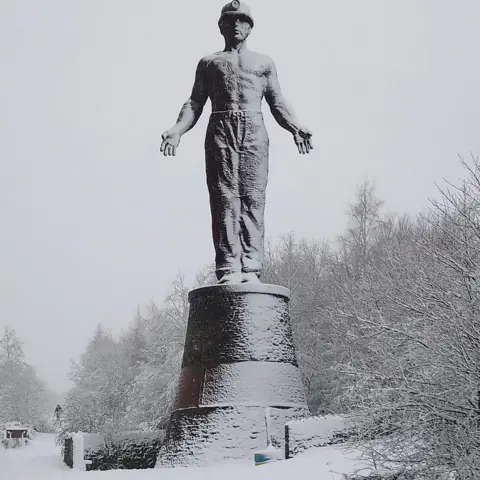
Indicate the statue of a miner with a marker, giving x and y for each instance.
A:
(236, 145)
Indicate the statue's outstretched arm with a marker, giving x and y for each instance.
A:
(283, 113)
(189, 114)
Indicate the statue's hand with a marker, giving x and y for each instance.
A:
(303, 140)
(171, 139)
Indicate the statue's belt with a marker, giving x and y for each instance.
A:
(236, 112)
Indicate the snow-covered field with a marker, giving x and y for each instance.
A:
(41, 460)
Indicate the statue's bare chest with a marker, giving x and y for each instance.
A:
(231, 69)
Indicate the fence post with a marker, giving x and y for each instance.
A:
(287, 441)
(68, 450)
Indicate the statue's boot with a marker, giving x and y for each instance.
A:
(250, 277)
(234, 277)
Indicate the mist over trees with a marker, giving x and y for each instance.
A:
(386, 324)
(24, 397)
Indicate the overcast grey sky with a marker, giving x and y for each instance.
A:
(94, 221)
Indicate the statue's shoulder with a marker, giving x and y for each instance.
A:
(265, 62)
(205, 61)
(268, 62)
(212, 57)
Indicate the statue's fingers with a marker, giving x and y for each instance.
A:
(302, 148)
(165, 149)
(305, 133)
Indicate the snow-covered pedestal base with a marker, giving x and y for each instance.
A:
(239, 358)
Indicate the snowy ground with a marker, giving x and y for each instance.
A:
(41, 460)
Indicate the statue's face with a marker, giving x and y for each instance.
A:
(235, 28)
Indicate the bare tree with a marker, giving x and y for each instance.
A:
(413, 326)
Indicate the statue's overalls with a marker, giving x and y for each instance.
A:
(236, 151)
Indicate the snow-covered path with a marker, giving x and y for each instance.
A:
(42, 455)
(41, 460)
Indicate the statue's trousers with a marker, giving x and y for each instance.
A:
(236, 151)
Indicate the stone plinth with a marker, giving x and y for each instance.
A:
(239, 358)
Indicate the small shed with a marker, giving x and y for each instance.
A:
(16, 432)
(15, 436)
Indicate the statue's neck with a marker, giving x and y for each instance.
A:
(236, 46)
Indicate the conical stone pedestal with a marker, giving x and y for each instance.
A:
(239, 358)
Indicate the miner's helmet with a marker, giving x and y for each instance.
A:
(235, 7)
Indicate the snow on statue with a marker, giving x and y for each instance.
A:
(236, 145)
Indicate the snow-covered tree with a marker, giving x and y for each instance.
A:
(130, 384)
(97, 402)
(413, 328)
(363, 223)
(23, 396)
(153, 389)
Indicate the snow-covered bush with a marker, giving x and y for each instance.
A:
(310, 432)
(128, 450)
